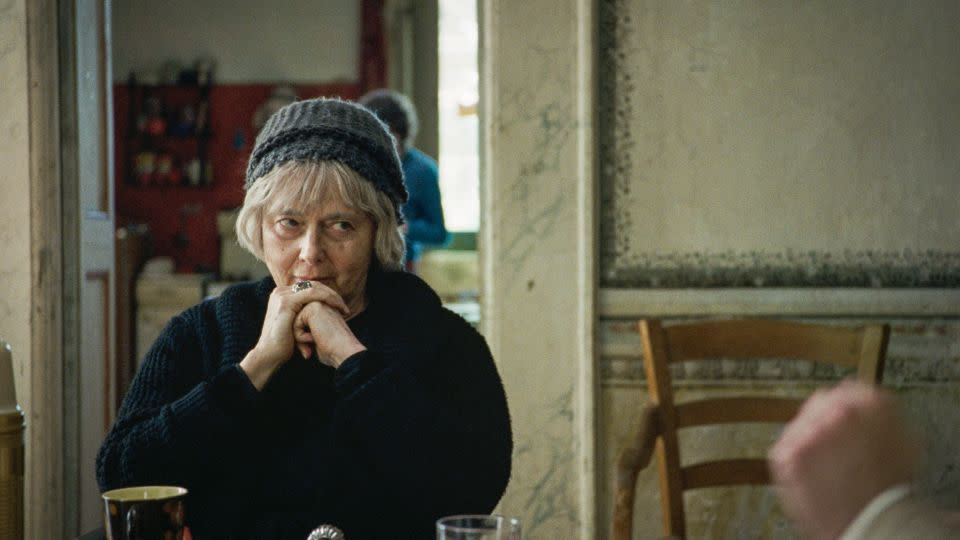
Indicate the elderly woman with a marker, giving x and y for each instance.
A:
(338, 391)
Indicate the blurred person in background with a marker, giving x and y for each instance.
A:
(423, 211)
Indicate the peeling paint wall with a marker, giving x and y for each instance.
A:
(779, 143)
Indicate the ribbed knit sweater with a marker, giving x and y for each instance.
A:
(412, 429)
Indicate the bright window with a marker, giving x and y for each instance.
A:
(459, 127)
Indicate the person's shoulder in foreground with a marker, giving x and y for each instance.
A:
(898, 513)
(843, 469)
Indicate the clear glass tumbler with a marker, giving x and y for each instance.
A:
(478, 527)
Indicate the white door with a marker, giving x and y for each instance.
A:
(86, 108)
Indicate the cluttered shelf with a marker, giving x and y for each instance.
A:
(167, 135)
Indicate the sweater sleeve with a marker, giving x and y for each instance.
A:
(897, 513)
(435, 427)
(178, 414)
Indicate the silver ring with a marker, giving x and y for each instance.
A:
(302, 286)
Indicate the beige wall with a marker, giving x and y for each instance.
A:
(15, 182)
(252, 41)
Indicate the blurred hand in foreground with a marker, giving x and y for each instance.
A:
(846, 446)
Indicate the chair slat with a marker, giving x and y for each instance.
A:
(667, 446)
(736, 409)
(731, 472)
(764, 339)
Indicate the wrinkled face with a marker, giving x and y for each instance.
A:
(326, 241)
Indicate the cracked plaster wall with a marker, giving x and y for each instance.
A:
(753, 143)
(14, 179)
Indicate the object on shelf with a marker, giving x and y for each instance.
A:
(200, 123)
(144, 165)
(151, 120)
(170, 72)
(164, 166)
(192, 171)
(205, 66)
(186, 122)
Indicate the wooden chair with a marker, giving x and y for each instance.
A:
(862, 348)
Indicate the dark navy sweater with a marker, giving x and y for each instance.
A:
(412, 429)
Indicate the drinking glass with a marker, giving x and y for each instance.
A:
(478, 527)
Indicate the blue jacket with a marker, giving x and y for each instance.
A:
(423, 211)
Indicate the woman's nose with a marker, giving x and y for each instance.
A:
(311, 250)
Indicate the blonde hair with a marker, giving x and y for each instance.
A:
(297, 181)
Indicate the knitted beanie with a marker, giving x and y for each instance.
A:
(330, 129)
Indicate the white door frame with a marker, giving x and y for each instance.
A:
(44, 367)
(86, 115)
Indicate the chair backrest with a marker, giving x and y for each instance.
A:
(860, 348)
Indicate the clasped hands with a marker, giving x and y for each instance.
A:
(320, 327)
(312, 319)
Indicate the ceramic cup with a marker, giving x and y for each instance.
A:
(144, 513)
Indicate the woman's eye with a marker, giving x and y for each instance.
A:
(289, 222)
(342, 226)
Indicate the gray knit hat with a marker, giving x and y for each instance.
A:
(330, 129)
